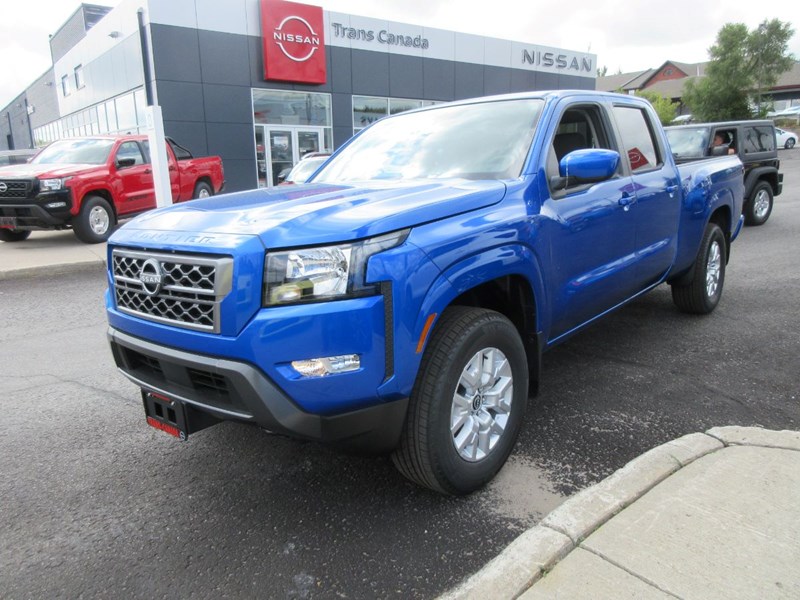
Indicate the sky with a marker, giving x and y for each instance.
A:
(626, 35)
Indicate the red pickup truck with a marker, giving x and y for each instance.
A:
(87, 184)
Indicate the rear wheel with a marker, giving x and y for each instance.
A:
(202, 190)
(94, 223)
(467, 405)
(759, 205)
(703, 293)
(13, 235)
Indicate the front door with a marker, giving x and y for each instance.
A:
(137, 191)
(590, 235)
(278, 149)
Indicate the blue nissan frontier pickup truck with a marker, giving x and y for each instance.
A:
(402, 299)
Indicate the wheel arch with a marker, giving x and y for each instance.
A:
(722, 217)
(504, 279)
(204, 179)
(104, 193)
(756, 176)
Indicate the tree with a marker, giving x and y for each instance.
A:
(603, 71)
(768, 58)
(664, 107)
(743, 64)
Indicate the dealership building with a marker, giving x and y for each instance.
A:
(263, 82)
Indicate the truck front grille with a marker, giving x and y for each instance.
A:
(14, 188)
(178, 289)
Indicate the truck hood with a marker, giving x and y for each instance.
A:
(319, 213)
(47, 171)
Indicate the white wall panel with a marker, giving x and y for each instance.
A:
(122, 23)
(442, 43)
(180, 13)
(229, 16)
(253, 11)
(334, 17)
(497, 53)
(469, 48)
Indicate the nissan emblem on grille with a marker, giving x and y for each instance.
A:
(151, 276)
(3, 187)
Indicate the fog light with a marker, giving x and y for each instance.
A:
(56, 205)
(319, 367)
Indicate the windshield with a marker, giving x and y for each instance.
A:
(75, 152)
(488, 140)
(688, 142)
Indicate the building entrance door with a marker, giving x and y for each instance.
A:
(278, 149)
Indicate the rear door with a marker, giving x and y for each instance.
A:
(591, 227)
(658, 198)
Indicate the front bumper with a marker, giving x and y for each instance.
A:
(234, 390)
(44, 211)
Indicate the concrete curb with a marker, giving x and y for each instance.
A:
(46, 270)
(539, 549)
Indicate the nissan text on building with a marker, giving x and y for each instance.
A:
(263, 82)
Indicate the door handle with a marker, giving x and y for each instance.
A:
(626, 200)
(148, 171)
(173, 168)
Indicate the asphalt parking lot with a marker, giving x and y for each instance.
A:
(95, 503)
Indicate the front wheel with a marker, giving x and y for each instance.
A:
(703, 293)
(759, 206)
(789, 144)
(13, 235)
(94, 223)
(467, 405)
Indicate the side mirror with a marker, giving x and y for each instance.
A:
(123, 163)
(590, 165)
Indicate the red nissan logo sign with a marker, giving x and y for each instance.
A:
(293, 40)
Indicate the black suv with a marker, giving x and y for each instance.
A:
(752, 141)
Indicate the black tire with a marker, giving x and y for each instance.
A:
(703, 293)
(95, 222)
(13, 235)
(202, 190)
(789, 144)
(758, 207)
(427, 453)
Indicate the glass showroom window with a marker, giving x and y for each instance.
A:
(271, 107)
(126, 113)
(398, 105)
(367, 110)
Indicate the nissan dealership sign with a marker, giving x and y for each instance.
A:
(294, 43)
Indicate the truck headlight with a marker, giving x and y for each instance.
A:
(52, 185)
(323, 272)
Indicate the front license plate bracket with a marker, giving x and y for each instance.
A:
(166, 415)
(174, 417)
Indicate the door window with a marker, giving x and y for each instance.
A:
(758, 138)
(579, 127)
(281, 154)
(279, 149)
(261, 158)
(130, 150)
(307, 141)
(637, 138)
